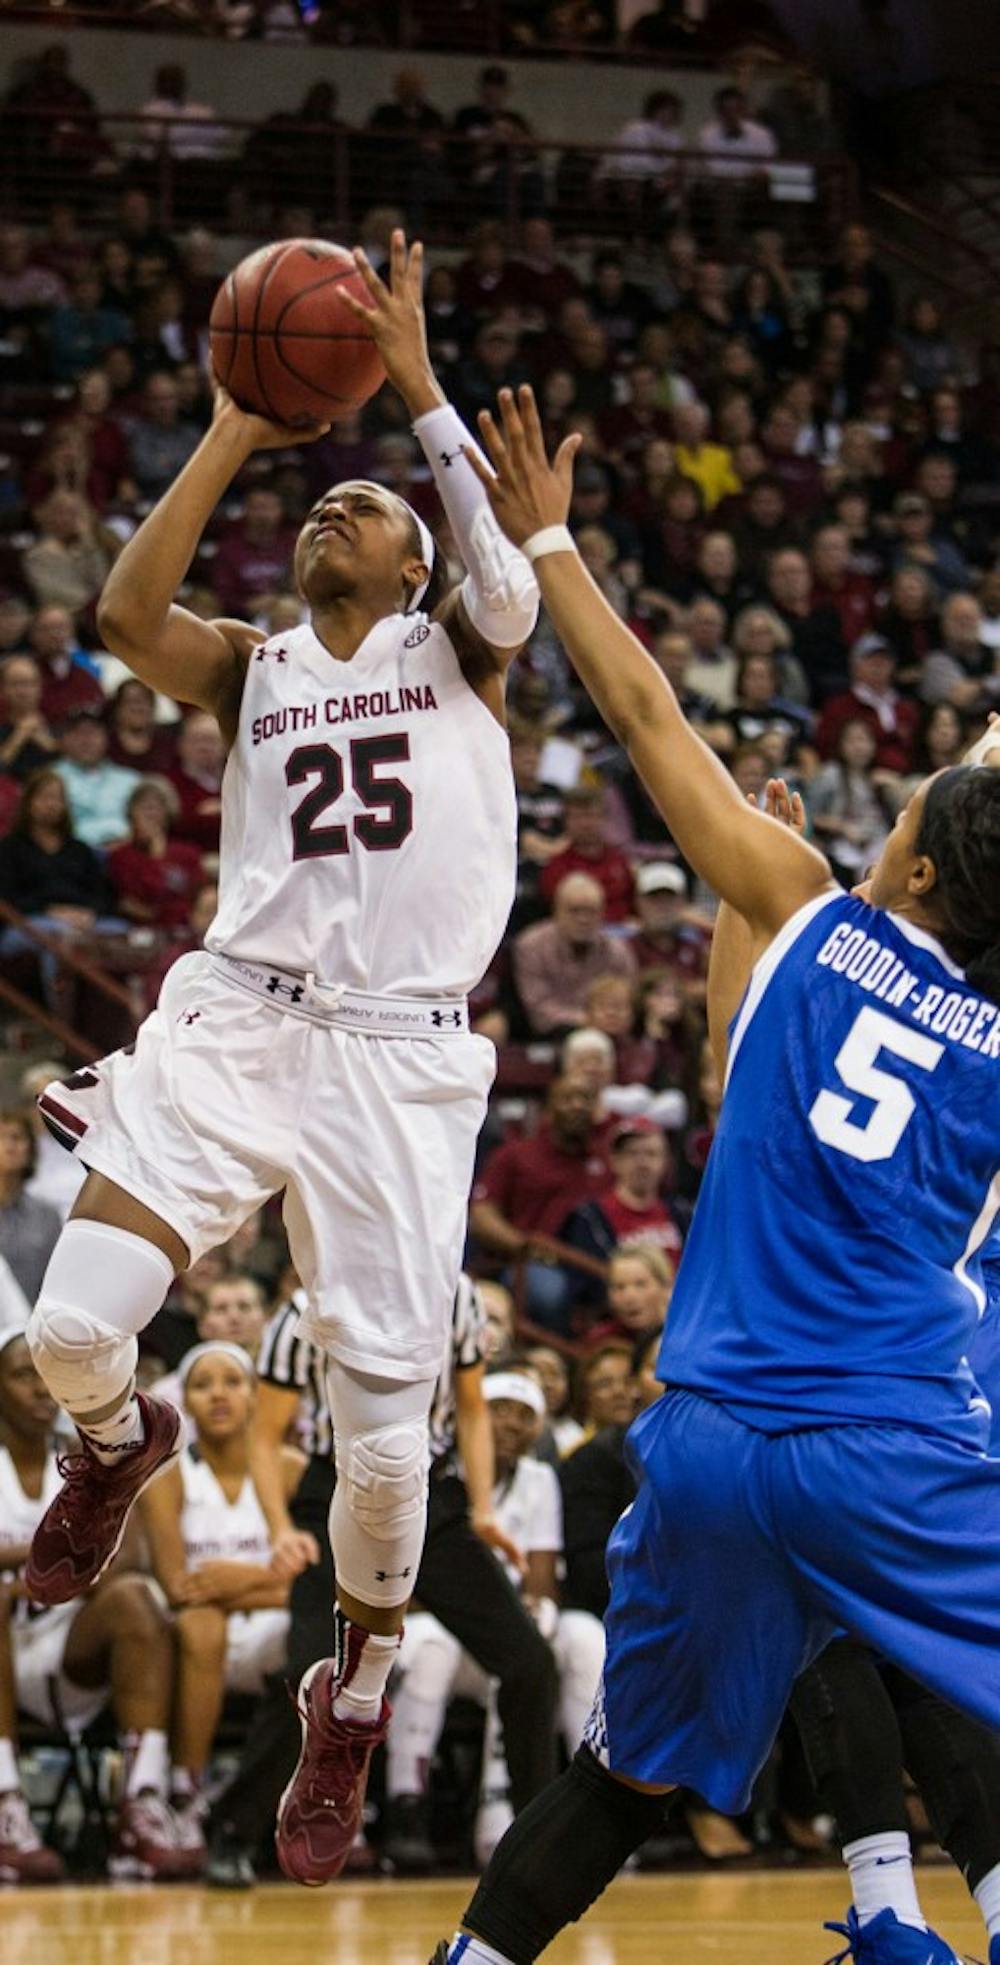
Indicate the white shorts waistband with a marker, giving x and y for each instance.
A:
(348, 1009)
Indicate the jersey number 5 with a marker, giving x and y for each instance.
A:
(389, 817)
(894, 1103)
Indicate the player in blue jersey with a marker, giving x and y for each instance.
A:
(818, 1460)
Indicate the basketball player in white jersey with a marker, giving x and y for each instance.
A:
(319, 1044)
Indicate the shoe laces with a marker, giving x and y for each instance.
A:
(330, 1740)
(17, 1829)
(852, 1932)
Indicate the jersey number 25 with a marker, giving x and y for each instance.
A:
(894, 1103)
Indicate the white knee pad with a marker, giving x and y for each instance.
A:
(101, 1287)
(379, 1510)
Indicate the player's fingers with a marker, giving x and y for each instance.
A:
(415, 270)
(482, 470)
(397, 261)
(376, 287)
(532, 423)
(356, 306)
(496, 449)
(563, 461)
(798, 811)
(513, 428)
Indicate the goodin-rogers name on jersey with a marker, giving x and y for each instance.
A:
(342, 709)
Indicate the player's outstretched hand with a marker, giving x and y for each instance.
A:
(986, 749)
(256, 432)
(527, 493)
(395, 319)
(784, 805)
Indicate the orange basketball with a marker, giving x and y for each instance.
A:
(284, 344)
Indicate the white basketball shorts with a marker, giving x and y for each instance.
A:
(38, 1643)
(256, 1642)
(226, 1098)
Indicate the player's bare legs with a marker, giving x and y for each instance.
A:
(107, 1277)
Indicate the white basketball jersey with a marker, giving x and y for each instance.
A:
(21, 1513)
(368, 816)
(215, 1529)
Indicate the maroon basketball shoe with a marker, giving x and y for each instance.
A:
(146, 1844)
(81, 1531)
(24, 1857)
(322, 1808)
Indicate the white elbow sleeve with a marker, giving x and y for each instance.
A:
(500, 592)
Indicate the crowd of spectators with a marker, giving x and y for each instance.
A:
(788, 486)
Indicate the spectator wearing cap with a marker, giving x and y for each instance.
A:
(556, 961)
(920, 543)
(873, 699)
(592, 504)
(98, 791)
(255, 557)
(528, 1187)
(964, 671)
(68, 679)
(631, 1208)
(154, 876)
(587, 851)
(26, 742)
(669, 934)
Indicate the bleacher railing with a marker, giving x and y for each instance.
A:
(329, 176)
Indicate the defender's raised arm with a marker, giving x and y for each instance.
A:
(765, 871)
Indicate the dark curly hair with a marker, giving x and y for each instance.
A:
(960, 832)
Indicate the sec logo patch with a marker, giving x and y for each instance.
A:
(417, 635)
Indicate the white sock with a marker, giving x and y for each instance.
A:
(360, 1699)
(986, 1893)
(183, 1784)
(881, 1872)
(108, 1438)
(413, 1737)
(10, 1778)
(148, 1763)
(464, 1949)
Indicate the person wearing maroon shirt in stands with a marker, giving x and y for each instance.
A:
(543, 282)
(852, 595)
(155, 878)
(671, 936)
(528, 1188)
(197, 780)
(67, 685)
(799, 475)
(631, 1208)
(135, 739)
(587, 851)
(872, 699)
(625, 431)
(255, 557)
(487, 281)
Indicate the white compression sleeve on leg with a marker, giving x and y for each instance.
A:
(500, 592)
(379, 1508)
(102, 1286)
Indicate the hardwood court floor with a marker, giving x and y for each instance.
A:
(754, 1918)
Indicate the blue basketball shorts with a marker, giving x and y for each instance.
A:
(745, 1552)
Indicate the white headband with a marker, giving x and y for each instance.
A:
(426, 554)
(199, 1351)
(515, 1385)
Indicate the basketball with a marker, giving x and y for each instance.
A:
(283, 342)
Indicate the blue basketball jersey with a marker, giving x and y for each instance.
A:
(984, 1351)
(834, 1267)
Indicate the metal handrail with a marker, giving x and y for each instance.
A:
(69, 957)
(26, 1006)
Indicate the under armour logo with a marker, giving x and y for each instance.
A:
(391, 1575)
(416, 636)
(448, 457)
(277, 986)
(189, 1016)
(450, 1017)
(278, 653)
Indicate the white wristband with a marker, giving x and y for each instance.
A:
(551, 539)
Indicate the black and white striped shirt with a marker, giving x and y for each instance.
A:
(287, 1360)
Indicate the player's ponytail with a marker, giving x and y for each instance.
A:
(960, 832)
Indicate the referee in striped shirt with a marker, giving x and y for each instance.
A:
(459, 1578)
